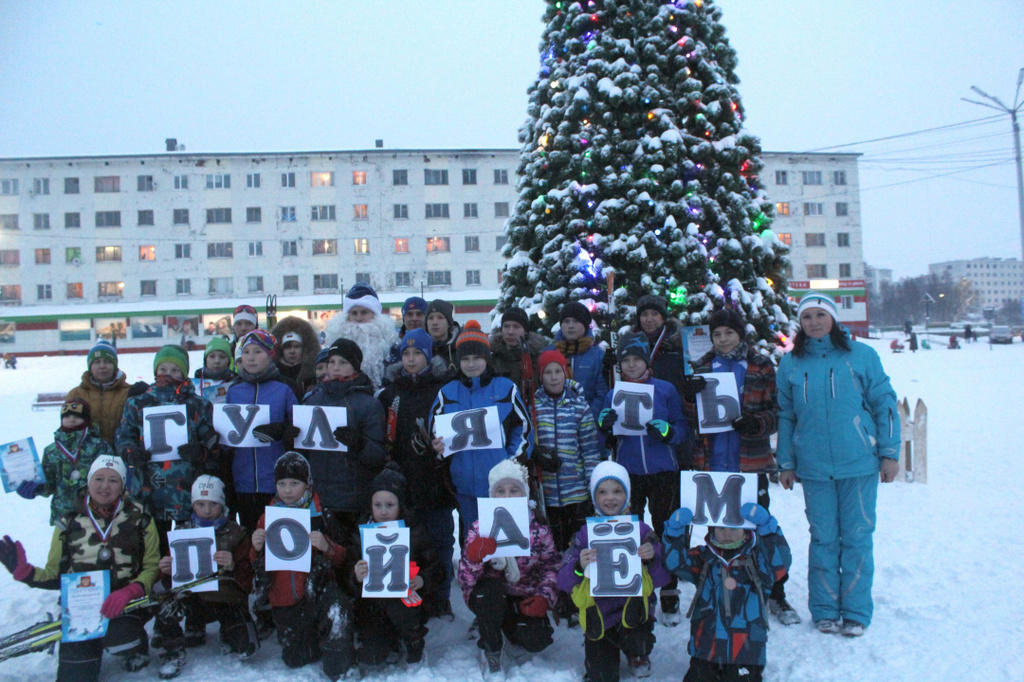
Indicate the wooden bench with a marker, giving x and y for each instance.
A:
(48, 400)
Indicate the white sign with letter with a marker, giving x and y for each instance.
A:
(507, 521)
(164, 430)
(634, 403)
(234, 423)
(288, 547)
(192, 551)
(476, 429)
(386, 553)
(316, 426)
(618, 570)
(716, 497)
(718, 405)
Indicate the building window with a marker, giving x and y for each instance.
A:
(108, 254)
(10, 293)
(73, 255)
(255, 249)
(786, 238)
(9, 221)
(108, 219)
(781, 177)
(218, 215)
(72, 220)
(220, 250)
(40, 221)
(439, 278)
(846, 302)
(323, 213)
(222, 285)
(814, 209)
(811, 177)
(147, 252)
(71, 186)
(360, 212)
(358, 177)
(845, 270)
(74, 290)
(41, 186)
(499, 242)
(322, 179)
(362, 246)
(325, 247)
(107, 183)
(501, 177)
(252, 180)
(181, 182)
(147, 287)
(145, 217)
(472, 278)
(469, 211)
(437, 210)
(843, 239)
(42, 256)
(180, 216)
(814, 239)
(468, 176)
(400, 177)
(472, 243)
(782, 208)
(182, 251)
(255, 283)
(438, 244)
(9, 187)
(290, 248)
(325, 282)
(110, 289)
(218, 181)
(403, 279)
(401, 245)
(817, 271)
(435, 177)
(44, 292)
(401, 211)
(287, 179)
(838, 177)
(363, 278)
(182, 287)
(842, 208)
(500, 209)
(10, 257)
(254, 214)
(290, 283)
(145, 183)
(287, 214)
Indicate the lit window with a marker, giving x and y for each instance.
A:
(322, 179)
(358, 177)
(73, 255)
(438, 244)
(75, 290)
(360, 212)
(10, 293)
(401, 245)
(110, 289)
(108, 254)
(10, 257)
(325, 247)
(782, 208)
(42, 256)
(786, 238)
(362, 245)
(147, 252)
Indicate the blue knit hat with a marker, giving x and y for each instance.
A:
(420, 340)
(102, 349)
(633, 344)
(323, 356)
(363, 296)
(414, 303)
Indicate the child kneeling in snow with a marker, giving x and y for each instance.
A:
(311, 614)
(509, 595)
(613, 624)
(386, 625)
(733, 573)
(229, 604)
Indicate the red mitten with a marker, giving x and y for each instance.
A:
(412, 599)
(118, 599)
(479, 548)
(12, 556)
(534, 607)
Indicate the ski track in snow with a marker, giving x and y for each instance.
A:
(948, 591)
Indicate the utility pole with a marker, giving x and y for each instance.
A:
(1012, 111)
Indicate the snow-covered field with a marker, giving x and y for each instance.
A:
(949, 555)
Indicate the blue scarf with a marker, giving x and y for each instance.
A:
(216, 524)
(304, 502)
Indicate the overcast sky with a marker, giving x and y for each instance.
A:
(119, 77)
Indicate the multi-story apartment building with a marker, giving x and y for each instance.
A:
(157, 231)
(993, 280)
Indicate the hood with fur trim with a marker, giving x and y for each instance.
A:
(310, 343)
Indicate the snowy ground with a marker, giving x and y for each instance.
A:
(948, 559)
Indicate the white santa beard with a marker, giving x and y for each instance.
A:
(374, 338)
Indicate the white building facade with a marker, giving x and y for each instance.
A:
(993, 280)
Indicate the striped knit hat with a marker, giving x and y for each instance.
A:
(103, 349)
(263, 339)
(472, 341)
(816, 300)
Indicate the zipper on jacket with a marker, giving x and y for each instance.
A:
(890, 422)
(805, 387)
(832, 382)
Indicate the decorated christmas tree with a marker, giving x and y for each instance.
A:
(635, 163)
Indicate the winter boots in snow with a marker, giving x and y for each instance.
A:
(171, 663)
(851, 628)
(639, 666)
(782, 610)
(670, 615)
(827, 626)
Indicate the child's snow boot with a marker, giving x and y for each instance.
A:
(639, 666)
(670, 615)
(851, 628)
(135, 662)
(827, 626)
(171, 663)
(782, 610)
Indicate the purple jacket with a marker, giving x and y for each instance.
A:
(611, 607)
(536, 572)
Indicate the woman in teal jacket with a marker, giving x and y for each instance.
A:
(839, 433)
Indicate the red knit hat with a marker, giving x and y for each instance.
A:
(549, 356)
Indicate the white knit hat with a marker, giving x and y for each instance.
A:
(609, 470)
(507, 470)
(209, 488)
(291, 337)
(816, 300)
(109, 462)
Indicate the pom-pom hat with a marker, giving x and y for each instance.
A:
(472, 341)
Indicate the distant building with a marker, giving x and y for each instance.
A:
(993, 280)
(875, 278)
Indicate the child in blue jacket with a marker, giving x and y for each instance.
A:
(734, 573)
(650, 459)
(477, 387)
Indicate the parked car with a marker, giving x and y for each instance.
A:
(1000, 334)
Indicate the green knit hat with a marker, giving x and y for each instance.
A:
(218, 343)
(102, 349)
(172, 353)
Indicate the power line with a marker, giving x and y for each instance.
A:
(910, 134)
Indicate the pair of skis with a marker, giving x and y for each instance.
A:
(44, 635)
